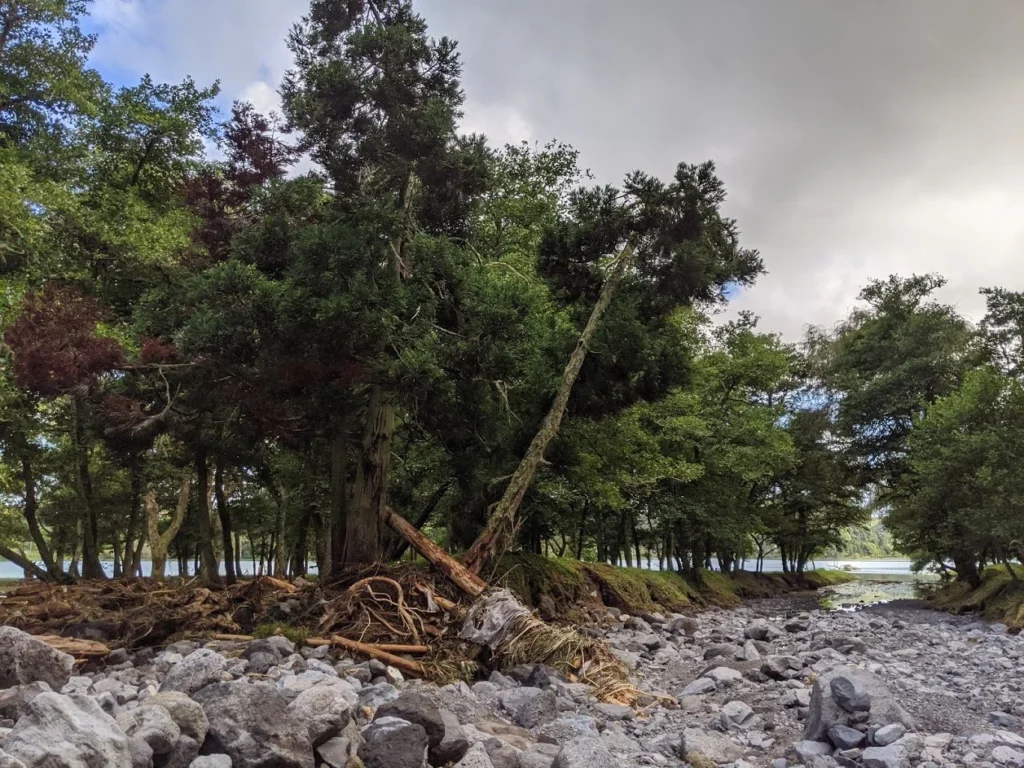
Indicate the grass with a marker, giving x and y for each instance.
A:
(297, 635)
(999, 598)
(6, 585)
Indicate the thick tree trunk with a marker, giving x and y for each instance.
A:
(369, 497)
(209, 570)
(92, 568)
(224, 515)
(339, 501)
(160, 542)
(501, 525)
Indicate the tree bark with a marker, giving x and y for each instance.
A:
(224, 515)
(92, 568)
(501, 525)
(459, 575)
(24, 563)
(209, 570)
(133, 536)
(30, 511)
(425, 514)
(369, 498)
(339, 501)
(159, 542)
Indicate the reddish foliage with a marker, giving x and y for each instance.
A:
(157, 351)
(55, 345)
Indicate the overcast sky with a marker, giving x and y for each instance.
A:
(856, 139)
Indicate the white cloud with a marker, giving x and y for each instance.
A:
(500, 123)
(263, 96)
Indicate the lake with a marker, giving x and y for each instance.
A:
(9, 570)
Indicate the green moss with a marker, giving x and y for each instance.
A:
(533, 578)
(297, 635)
(697, 760)
(999, 598)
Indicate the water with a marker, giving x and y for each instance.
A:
(9, 570)
(883, 566)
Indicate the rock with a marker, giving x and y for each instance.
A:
(59, 731)
(684, 624)
(24, 660)
(614, 711)
(891, 756)
(887, 734)
(335, 752)
(716, 747)
(585, 752)
(1011, 758)
(535, 675)
(261, 662)
(797, 625)
(324, 710)
(475, 758)
(153, 724)
(735, 713)
(141, 753)
(187, 714)
(806, 750)
(530, 707)
(453, 746)
(377, 695)
(699, 686)
(251, 724)
(418, 709)
(197, 670)
(394, 743)
(824, 710)
(845, 737)
(211, 761)
(6, 761)
(1003, 719)
(750, 652)
(725, 675)
(850, 694)
(761, 630)
(181, 756)
(780, 667)
(14, 701)
(567, 728)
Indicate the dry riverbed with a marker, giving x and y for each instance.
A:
(774, 682)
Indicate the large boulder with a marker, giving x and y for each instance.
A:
(14, 701)
(585, 752)
(825, 711)
(716, 747)
(453, 746)
(152, 724)
(394, 743)
(6, 761)
(325, 710)
(416, 708)
(197, 670)
(530, 707)
(67, 732)
(23, 660)
(186, 713)
(252, 724)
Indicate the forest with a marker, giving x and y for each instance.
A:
(245, 343)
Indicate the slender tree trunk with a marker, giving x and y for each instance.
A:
(224, 515)
(300, 552)
(369, 497)
(580, 533)
(118, 560)
(160, 542)
(209, 570)
(30, 512)
(133, 536)
(92, 568)
(501, 525)
(636, 540)
(238, 555)
(339, 501)
(30, 568)
(424, 517)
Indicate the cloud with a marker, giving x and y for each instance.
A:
(856, 139)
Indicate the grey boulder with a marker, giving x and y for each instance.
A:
(418, 709)
(59, 731)
(324, 710)
(186, 713)
(23, 660)
(153, 724)
(393, 743)
(197, 670)
(825, 712)
(586, 752)
(211, 761)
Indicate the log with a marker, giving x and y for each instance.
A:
(317, 642)
(82, 649)
(232, 638)
(455, 571)
(413, 667)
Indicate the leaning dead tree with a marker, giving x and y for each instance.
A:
(160, 542)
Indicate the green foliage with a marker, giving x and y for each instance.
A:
(297, 635)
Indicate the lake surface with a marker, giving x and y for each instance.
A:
(9, 570)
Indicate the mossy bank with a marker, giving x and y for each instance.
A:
(566, 589)
(999, 598)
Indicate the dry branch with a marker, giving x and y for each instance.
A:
(374, 652)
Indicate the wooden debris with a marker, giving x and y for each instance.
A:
(374, 652)
(81, 649)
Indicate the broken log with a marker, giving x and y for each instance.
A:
(80, 649)
(374, 652)
(453, 570)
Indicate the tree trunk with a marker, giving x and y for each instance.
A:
(339, 501)
(209, 570)
(92, 568)
(133, 536)
(369, 497)
(224, 515)
(300, 552)
(458, 574)
(501, 525)
(159, 542)
(24, 563)
(54, 571)
(636, 540)
(424, 517)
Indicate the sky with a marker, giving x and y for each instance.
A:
(856, 139)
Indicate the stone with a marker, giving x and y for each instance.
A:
(181, 756)
(251, 724)
(335, 752)
(887, 734)
(749, 652)
(453, 745)
(187, 714)
(153, 724)
(699, 686)
(850, 694)
(716, 747)
(60, 731)
(735, 713)
(535, 675)
(418, 709)
(725, 675)
(476, 757)
(14, 700)
(760, 629)
(211, 761)
(824, 711)
(1008, 756)
(780, 667)
(24, 660)
(805, 750)
(394, 743)
(891, 756)
(614, 712)
(844, 737)
(324, 710)
(568, 727)
(585, 752)
(6, 761)
(377, 695)
(141, 753)
(684, 624)
(261, 662)
(530, 707)
(194, 672)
